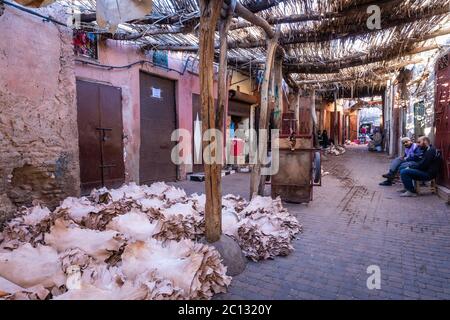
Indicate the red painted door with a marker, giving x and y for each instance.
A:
(442, 114)
(100, 132)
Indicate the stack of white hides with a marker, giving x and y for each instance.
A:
(264, 229)
(135, 242)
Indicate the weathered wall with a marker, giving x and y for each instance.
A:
(116, 53)
(242, 81)
(38, 130)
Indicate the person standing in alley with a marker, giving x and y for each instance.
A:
(325, 140)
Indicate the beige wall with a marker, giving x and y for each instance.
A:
(242, 81)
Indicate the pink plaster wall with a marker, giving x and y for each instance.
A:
(118, 53)
(39, 158)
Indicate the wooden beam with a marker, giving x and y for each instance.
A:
(255, 180)
(368, 73)
(316, 16)
(137, 35)
(312, 36)
(330, 68)
(264, 5)
(337, 80)
(170, 19)
(407, 43)
(210, 12)
(346, 92)
(155, 18)
(241, 11)
(388, 21)
(246, 14)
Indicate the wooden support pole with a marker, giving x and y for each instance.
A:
(278, 85)
(314, 119)
(336, 119)
(210, 12)
(224, 26)
(255, 184)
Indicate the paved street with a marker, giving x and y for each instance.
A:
(354, 223)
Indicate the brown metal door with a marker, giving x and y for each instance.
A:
(100, 131)
(158, 121)
(442, 114)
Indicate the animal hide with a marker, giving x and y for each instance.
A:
(98, 244)
(28, 227)
(230, 222)
(203, 273)
(28, 267)
(134, 242)
(110, 13)
(266, 229)
(8, 288)
(133, 224)
(180, 221)
(10, 291)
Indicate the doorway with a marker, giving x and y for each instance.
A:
(158, 121)
(100, 131)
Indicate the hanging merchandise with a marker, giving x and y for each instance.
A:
(259, 77)
(111, 13)
(85, 44)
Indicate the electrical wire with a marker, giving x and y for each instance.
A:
(128, 66)
(34, 13)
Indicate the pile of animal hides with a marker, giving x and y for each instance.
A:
(336, 150)
(135, 242)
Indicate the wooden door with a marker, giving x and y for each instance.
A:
(353, 127)
(442, 114)
(158, 121)
(335, 133)
(100, 131)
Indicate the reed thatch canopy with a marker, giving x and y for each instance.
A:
(327, 43)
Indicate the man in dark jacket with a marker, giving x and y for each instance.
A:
(425, 170)
(413, 155)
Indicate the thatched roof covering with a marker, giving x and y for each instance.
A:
(326, 42)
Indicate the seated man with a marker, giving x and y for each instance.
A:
(425, 170)
(413, 154)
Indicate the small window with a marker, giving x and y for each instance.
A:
(85, 44)
(161, 59)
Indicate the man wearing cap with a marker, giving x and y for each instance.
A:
(412, 156)
(426, 170)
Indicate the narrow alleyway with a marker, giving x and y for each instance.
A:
(354, 223)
